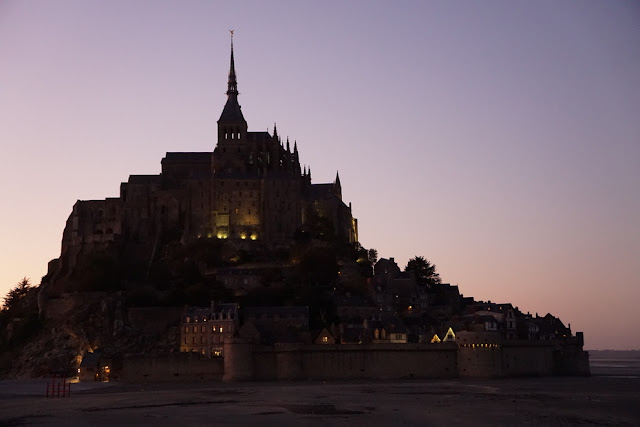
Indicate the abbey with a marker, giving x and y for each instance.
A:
(250, 188)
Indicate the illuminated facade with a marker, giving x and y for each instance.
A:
(203, 330)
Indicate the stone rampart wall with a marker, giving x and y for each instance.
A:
(509, 359)
(245, 361)
(525, 360)
(380, 361)
(171, 367)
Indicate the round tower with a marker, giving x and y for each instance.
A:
(238, 359)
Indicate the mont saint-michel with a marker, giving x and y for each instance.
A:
(234, 265)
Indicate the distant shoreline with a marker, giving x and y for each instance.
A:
(614, 354)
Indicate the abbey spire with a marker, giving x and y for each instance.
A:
(232, 83)
(232, 113)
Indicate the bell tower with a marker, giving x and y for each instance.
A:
(232, 127)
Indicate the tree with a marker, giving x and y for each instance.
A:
(373, 256)
(424, 271)
(16, 296)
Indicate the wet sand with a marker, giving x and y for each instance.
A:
(606, 398)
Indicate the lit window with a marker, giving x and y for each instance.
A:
(325, 339)
(220, 329)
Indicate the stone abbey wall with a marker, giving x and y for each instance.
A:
(66, 303)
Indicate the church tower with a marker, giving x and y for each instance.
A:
(232, 125)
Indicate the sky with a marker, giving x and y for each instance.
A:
(499, 139)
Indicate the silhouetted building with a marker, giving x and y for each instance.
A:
(251, 187)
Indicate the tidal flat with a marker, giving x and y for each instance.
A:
(610, 397)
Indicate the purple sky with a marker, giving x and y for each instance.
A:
(500, 139)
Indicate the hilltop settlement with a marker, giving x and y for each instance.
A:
(234, 265)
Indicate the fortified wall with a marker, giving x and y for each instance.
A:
(244, 361)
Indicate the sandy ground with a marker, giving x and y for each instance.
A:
(609, 398)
